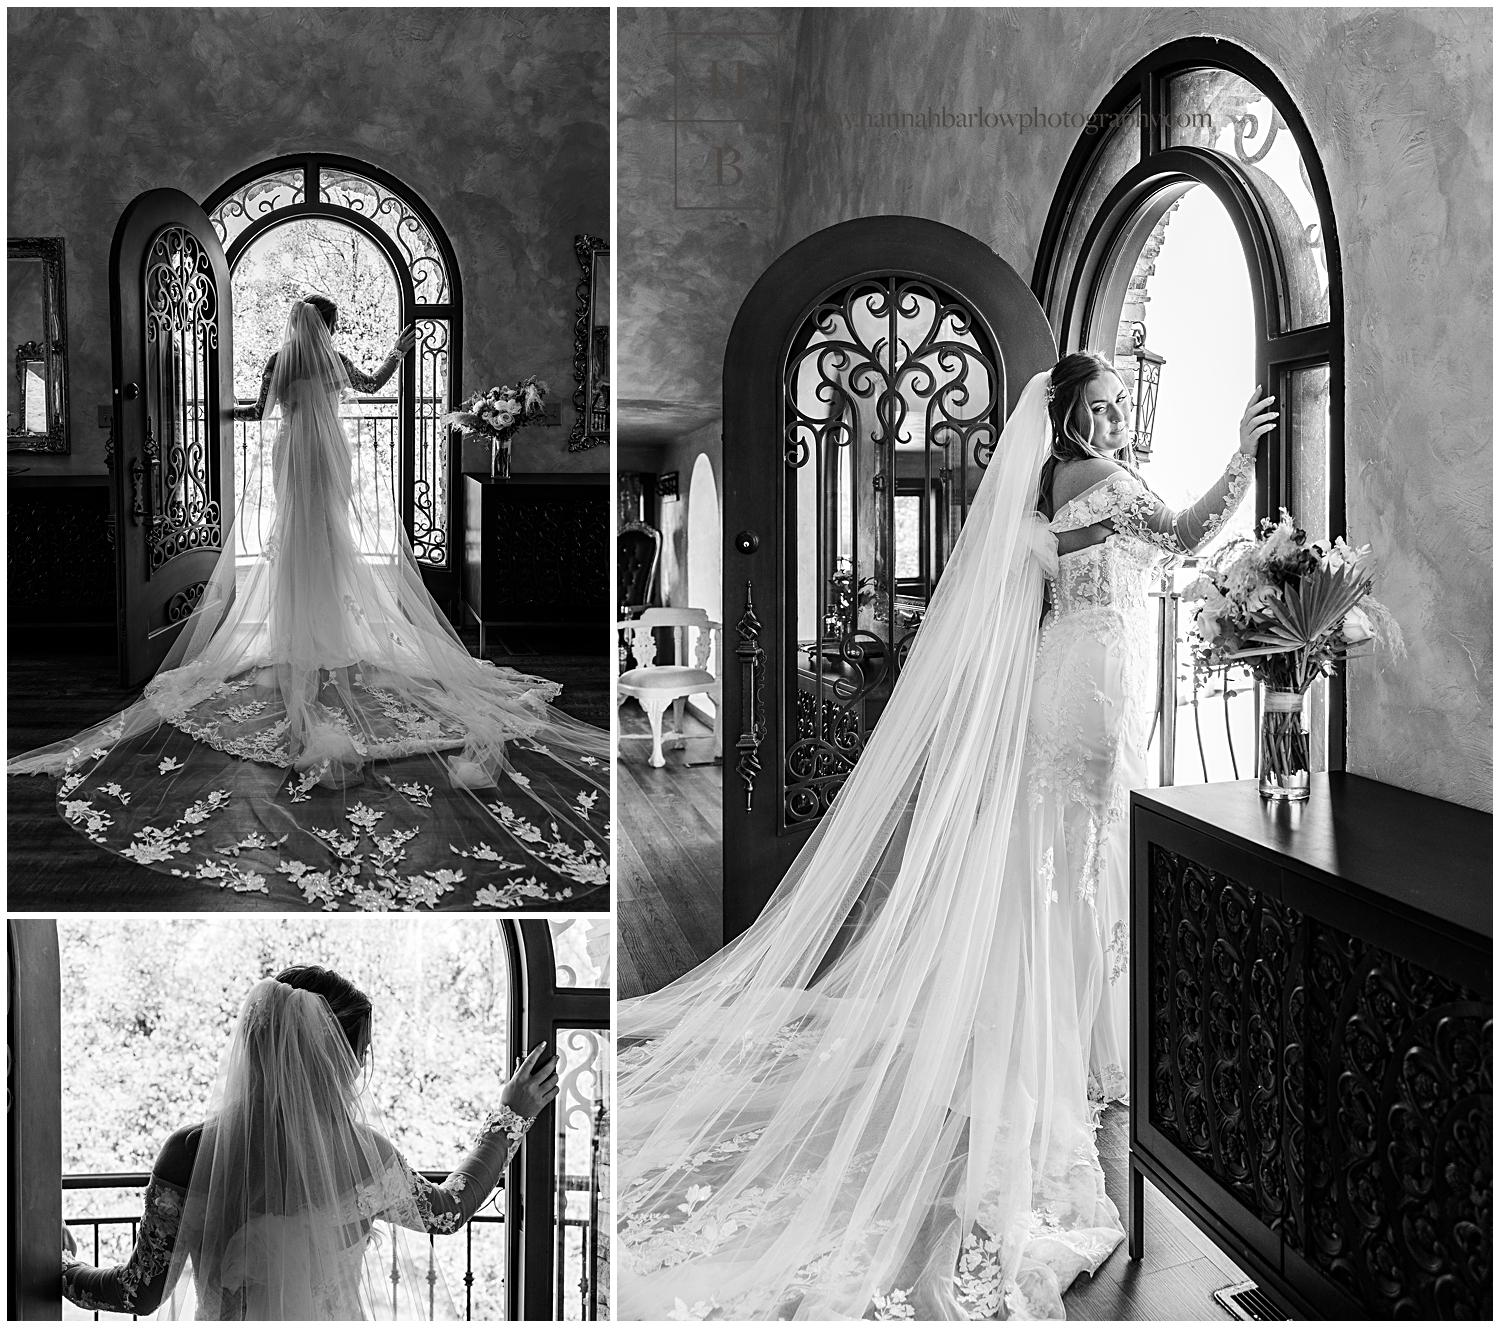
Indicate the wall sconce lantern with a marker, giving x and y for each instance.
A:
(1148, 365)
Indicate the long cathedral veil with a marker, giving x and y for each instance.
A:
(305, 663)
(282, 1216)
(875, 1091)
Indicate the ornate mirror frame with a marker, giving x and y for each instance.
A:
(591, 346)
(51, 351)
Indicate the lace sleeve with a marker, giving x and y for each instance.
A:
(364, 383)
(138, 1285)
(420, 1205)
(1127, 507)
(258, 410)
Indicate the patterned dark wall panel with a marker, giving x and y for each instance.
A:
(550, 551)
(1398, 1158)
(1219, 953)
(60, 560)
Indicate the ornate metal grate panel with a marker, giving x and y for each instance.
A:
(429, 274)
(249, 203)
(182, 347)
(431, 498)
(891, 407)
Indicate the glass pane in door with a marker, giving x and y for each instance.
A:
(890, 412)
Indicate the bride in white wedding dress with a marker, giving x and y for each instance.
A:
(880, 1100)
(318, 733)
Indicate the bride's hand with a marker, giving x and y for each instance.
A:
(405, 341)
(1256, 421)
(69, 1244)
(533, 1085)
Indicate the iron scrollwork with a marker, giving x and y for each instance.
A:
(892, 391)
(752, 657)
(182, 342)
(430, 490)
(591, 346)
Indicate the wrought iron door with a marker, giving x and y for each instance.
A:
(171, 458)
(866, 383)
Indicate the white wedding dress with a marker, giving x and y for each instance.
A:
(319, 735)
(880, 1101)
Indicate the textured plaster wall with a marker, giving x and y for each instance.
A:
(682, 273)
(497, 118)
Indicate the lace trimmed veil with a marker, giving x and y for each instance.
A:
(282, 1218)
(872, 1100)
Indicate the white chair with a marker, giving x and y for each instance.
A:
(656, 686)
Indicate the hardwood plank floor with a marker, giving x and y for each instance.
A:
(668, 829)
(670, 875)
(50, 867)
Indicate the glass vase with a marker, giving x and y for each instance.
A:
(500, 460)
(1285, 748)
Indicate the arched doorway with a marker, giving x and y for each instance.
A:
(1203, 116)
(392, 218)
(705, 557)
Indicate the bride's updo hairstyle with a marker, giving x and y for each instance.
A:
(1072, 421)
(350, 1006)
(324, 306)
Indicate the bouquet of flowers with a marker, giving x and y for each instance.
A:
(1289, 609)
(497, 414)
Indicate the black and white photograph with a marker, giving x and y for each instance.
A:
(310, 1119)
(309, 459)
(1054, 528)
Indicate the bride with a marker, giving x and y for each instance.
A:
(286, 1200)
(318, 733)
(879, 1101)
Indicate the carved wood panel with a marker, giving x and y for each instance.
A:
(1398, 1128)
(1341, 1093)
(59, 555)
(1219, 956)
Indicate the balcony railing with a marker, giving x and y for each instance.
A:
(374, 432)
(584, 1242)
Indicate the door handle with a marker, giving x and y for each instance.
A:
(747, 541)
(752, 657)
(130, 391)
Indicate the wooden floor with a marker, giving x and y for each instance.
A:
(669, 876)
(51, 868)
(668, 832)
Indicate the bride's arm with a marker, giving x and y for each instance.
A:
(139, 1285)
(258, 410)
(447, 1207)
(1128, 507)
(368, 384)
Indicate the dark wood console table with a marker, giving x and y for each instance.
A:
(536, 551)
(1311, 1040)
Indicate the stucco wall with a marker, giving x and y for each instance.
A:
(498, 119)
(1399, 105)
(682, 271)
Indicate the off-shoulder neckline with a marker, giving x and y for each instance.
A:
(1079, 497)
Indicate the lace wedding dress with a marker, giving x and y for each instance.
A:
(288, 1203)
(880, 1101)
(319, 735)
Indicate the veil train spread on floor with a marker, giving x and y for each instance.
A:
(318, 733)
(875, 1101)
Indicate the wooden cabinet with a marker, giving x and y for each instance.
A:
(536, 551)
(61, 562)
(1311, 1039)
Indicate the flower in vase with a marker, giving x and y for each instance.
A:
(1357, 627)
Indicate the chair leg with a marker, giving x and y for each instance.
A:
(654, 711)
(679, 707)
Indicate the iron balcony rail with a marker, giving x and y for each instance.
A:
(138, 1180)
